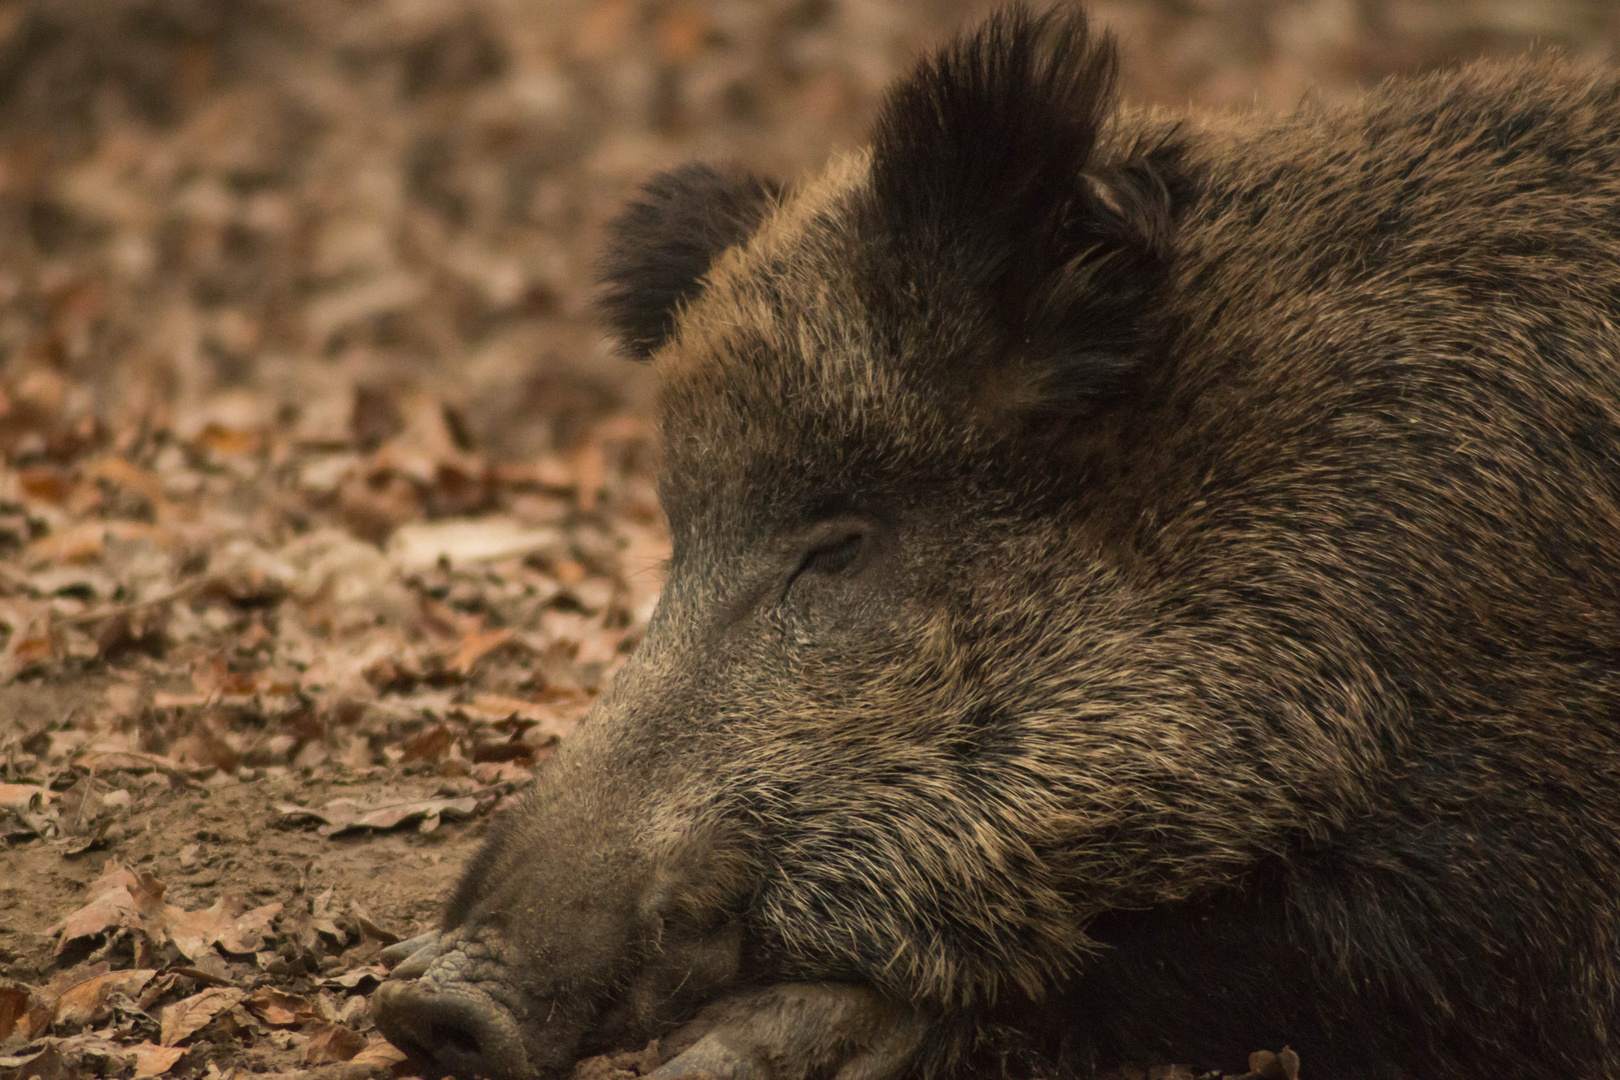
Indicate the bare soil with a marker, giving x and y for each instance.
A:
(325, 509)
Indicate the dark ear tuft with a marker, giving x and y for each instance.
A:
(986, 177)
(661, 245)
(994, 131)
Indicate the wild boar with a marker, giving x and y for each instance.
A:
(1144, 587)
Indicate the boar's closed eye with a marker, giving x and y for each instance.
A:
(835, 557)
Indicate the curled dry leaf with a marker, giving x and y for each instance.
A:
(357, 978)
(203, 747)
(121, 471)
(322, 917)
(280, 1009)
(343, 815)
(190, 1015)
(34, 639)
(87, 540)
(369, 926)
(86, 1002)
(493, 773)
(78, 544)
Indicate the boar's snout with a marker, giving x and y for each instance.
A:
(455, 1028)
(449, 1017)
(456, 1008)
(587, 922)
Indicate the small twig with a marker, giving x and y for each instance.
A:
(134, 606)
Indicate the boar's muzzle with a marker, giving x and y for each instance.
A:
(453, 1006)
(568, 935)
(453, 1025)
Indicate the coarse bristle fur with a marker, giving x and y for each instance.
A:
(1143, 589)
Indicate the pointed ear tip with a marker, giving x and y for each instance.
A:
(660, 246)
(636, 308)
(1015, 62)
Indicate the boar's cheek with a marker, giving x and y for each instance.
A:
(683, 974)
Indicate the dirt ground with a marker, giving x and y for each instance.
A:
(325, 509)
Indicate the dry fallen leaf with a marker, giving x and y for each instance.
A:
(491, 773)
(334, 1043)
(13, 1006)
(369, 926)
(431, 745)
(380, 1054)
(154, 1060)
(224, 923)
(121, 471)
(20, 797)
(48, 1064)
(186, 1017)
(420, 545)
(130, 761)
(247, 932)
(79, 544)
(112, 906)
(357, 977)
(34, 639)
(475, 646)
(85, 1003)
(280, 1009)
(121, 899)
(231, 442)
(341, 815)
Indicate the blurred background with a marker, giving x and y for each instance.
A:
(237, 212)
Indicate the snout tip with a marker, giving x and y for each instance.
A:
(455, 1029)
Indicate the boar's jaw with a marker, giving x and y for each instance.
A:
(685, 972)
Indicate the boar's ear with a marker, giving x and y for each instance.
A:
(987, 184)
(661, 245)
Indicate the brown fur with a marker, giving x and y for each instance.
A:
(1165, 609)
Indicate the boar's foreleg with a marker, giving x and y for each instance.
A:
(796, 1031)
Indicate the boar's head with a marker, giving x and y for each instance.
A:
(890, 724)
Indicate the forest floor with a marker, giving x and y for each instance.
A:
(325, 509)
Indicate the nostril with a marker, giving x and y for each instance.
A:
(456, 1050)
(456, 1046)
(454, 1029)
(458, 1039)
